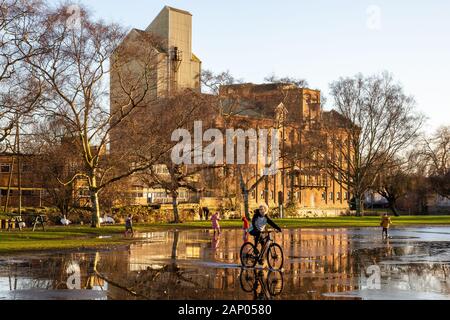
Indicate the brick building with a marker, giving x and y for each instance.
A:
(30, 189)
(311, 190)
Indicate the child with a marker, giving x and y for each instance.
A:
(245, 227)
(215, 222)
(385, 223)
(129, 226)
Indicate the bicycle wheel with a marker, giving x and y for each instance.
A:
(248, 280)
(275, 283)
(275, 257)
(248, 255)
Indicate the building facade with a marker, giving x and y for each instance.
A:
(301, 181)
(291, 110)
(24, 186)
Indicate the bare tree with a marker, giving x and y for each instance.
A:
(55, 159)
(436, 153)
(211, 82)
(76, 67)
(19, 90)
(173, 180)
(301, 83)
(304, 162)
(395, 181)
(373, 123)
(187, 107)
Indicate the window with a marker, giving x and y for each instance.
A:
(338, 196)
(331, 196)
(27, 193)
(84, 192)
(5, 168)
(161, 169)
(324, 196)
(345, 195)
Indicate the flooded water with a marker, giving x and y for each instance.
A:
(319, 264)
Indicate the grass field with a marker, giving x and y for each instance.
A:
(80, 237)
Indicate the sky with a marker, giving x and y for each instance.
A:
(320, 41)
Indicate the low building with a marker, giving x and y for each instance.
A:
(24, 185)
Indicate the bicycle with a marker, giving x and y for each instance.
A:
(270, 286)
(274, 253)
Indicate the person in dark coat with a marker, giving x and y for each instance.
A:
(259, 222)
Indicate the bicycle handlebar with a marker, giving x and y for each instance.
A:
(271, 231)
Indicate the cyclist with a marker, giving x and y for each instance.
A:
(259, 222)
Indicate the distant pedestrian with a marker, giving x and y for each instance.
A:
(385, 224)
(215, 222)
(206, 213)
(246, 226)
(129, 226)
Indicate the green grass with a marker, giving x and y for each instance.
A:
(338, 222)
(74, 237)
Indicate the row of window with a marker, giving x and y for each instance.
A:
(14, 193)
(332, 196)
(158, 195)
(297, 195)
(6, 168)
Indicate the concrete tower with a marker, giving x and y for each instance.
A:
(167, 44)
(174, 27)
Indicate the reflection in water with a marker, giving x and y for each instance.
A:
(265, 285)
(215, 242)
(319, 264)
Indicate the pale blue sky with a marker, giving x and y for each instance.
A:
(316, 40)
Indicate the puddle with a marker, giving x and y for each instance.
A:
(185, 265)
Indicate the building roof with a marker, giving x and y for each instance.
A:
(158, 46)
(335, 118)
(177, 10)
(195, 58)
(261, 87)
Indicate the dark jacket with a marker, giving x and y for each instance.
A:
(269, 222)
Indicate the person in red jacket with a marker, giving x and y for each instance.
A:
(245, 227)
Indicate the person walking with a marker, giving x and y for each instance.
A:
(129, 226)
(206, 213)
(215, 222)
(385, 224)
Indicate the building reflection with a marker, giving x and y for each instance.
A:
(315, 263)
(58, 272)
(195, 265)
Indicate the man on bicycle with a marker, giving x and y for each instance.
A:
(259, 222)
